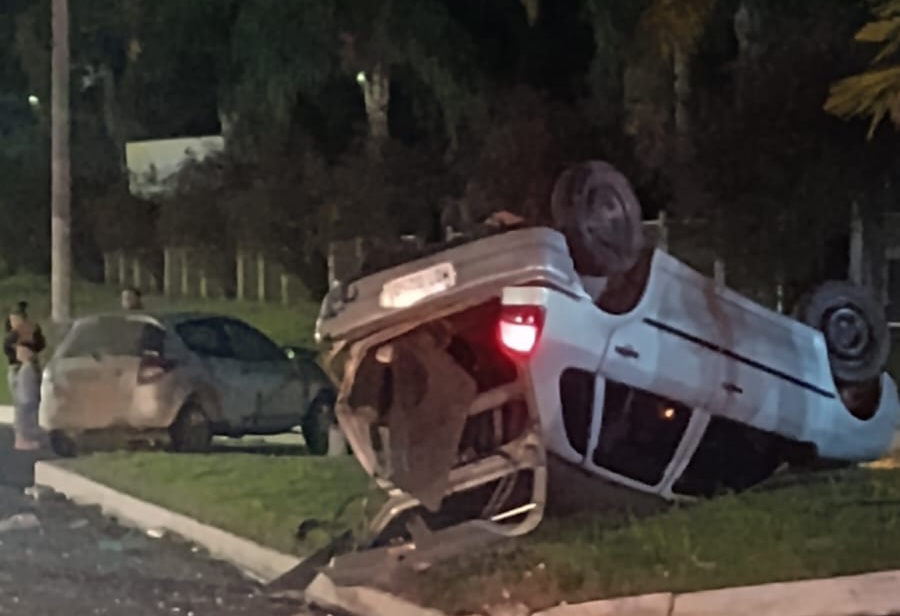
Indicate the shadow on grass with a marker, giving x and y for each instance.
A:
(262, 449)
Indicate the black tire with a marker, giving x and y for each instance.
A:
(62, 445)
(855, 328)
(594, 206)
(191, 431)
(316, 424)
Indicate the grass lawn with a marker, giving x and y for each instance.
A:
(830, 524)
(796, 527)
(261, 497)
(285, 324)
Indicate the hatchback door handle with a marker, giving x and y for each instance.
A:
(627, 351)
(732, 388)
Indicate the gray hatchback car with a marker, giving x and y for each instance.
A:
(188, 376)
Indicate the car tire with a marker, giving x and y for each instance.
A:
(191, 431)
(62, 444)
(595, 208)
(316, 424)
(855, 328)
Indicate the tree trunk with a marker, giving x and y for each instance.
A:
(747, 26)
(111, 116)
(61, 252)
(376, 87)
(681, 70)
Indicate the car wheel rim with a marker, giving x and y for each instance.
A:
(848, 333)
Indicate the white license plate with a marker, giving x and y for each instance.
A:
(407, 290)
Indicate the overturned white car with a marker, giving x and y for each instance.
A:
(570, 368)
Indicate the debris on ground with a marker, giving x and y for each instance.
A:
(19, 521)
(43, 493)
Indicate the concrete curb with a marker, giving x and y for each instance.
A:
(871, 594)
(858, 595)
(6, 415)
(255, 560)
(657, 604)
(361, 600)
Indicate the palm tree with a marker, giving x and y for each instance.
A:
(875, 92)
(669, 31)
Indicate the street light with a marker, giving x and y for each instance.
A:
(34, 101)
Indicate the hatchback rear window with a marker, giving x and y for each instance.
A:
(114, 337)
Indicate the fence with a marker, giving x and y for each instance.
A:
(205, 274)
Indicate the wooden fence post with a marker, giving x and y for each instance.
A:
(136, 272)
(260, 277)
(185, 280)
(122, 276)
(107, 268)
(663, 233)
(241, 275)
(168, 264)
(285, 289)
(719, 271)
(856, 256)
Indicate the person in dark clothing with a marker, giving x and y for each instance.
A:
(20, 330)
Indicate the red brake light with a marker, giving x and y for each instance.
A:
(520, 327)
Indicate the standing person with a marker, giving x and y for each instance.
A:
(28, 397)
(132, 299)
(21, 330)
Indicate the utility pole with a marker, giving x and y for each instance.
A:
(60, 204)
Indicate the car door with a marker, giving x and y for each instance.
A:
(207, 340)
(280, 395)
(667, 343)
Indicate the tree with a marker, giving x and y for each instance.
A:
(658, 76)
(61, 261)
(779, 173)
(874, 93)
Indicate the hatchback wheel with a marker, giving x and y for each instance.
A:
(595, 208)
(62, 445)
(855, 328)
(315, 426)
(191, 432)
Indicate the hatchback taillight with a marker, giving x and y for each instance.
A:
(153, 367)
(520, 328)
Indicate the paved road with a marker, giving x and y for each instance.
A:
(65, 560)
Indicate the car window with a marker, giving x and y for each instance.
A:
(731, 456)
(639, 433)
(206, 338)
(114, 337)
(250, 344)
